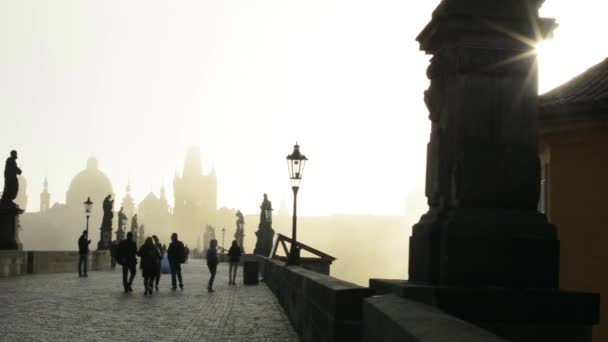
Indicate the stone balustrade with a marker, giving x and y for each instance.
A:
(13, 263)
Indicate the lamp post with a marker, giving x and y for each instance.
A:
(88, 205)
(295, 164)
(223, 236)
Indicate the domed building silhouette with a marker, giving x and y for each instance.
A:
(58, 227)
(89, 182)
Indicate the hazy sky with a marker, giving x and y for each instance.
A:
(135, 83)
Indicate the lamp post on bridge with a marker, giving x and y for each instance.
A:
(223, 237)
(88, 205)
(295, 164)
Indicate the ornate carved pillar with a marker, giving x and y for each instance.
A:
(482, 227)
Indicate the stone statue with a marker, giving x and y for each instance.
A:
(122, 217)
(265, 233)
(108, 214)
(240, 229)
(11, 184)
(135, 228)
(105, 240)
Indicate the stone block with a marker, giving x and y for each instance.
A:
(524, 315)
(250, 273)
(13, 263)
(391, 318)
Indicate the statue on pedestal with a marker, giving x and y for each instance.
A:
(265, 233)
(122, 222)
(9, 210)
(240, 230)
(135, 228)
(105, 240)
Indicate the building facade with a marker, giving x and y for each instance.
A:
(574, 184)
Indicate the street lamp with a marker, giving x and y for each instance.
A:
(88, 205)
(295, 164)
(223, 236)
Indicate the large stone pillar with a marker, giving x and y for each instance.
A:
(483, 252)
(483, 170)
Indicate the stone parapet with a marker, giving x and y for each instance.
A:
(320, 307)
(13, 263)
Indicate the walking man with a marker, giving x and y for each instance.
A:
(212, 262)
(177, 256)
(159, 247)
(127, 251)
(83, 254)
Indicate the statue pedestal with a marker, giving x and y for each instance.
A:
(9, 225)
(105, 240)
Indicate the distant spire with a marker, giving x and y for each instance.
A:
(45, 185)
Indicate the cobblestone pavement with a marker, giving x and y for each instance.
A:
(64, 307)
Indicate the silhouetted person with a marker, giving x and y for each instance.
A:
(149, 263)
(234, 256)
(177, 256)
(212, 262)
(161, 253)
(127, 251)
(83, 254)
(11, 183)
(113, 248)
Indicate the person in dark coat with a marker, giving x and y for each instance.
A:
(212, 262)
(161, 253)
(149, 263)
(127, 257)
(177, 256)
(83, 254)
(234, 256)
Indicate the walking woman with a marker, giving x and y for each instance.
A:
(150, 259)
(234, 256)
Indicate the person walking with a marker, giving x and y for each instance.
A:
(234, 256)
(83, 254)
(161, 253)
(177, 256)
(113, 248)
(212, 262)
(127, 258)
(149, 263)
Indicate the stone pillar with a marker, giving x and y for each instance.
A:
(9, 228)
(483, 169)
(482, 246)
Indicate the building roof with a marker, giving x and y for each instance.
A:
(582, 99)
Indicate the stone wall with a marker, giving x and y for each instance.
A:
(13, 263)
(321, 308)
(391, 318)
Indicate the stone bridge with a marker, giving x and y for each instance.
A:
(64, 307)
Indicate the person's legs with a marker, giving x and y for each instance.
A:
(125, 270)
(80, 265)
(212, 270)
(85, 264)
(230, 268)
(179, 275)
(173, 274)
(133, 270)
(234, 270)
(157, 277)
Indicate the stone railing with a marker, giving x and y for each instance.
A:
(13, 263)
(320, 307)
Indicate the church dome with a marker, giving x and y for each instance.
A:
(89, 182)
